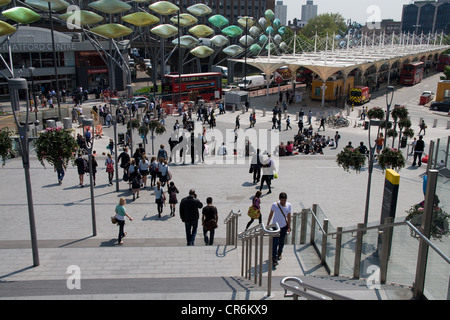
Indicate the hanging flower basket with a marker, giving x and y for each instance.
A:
(351, 158)
(391, 159)
(54, 145)
(375, 113)
(439, 223)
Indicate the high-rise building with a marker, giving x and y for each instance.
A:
(309, 11)
(281, 12)
(427, 17)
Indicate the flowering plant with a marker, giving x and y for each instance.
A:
(5, 146)
(55, 145)
(391, 159)
(439, 222)
(350, 157)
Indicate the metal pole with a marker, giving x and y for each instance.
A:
(90, 123)
(422, 257)
(54, 61)
(14, 86)
(390, 89)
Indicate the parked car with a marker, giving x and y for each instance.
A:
(441, 106)
(142, 102)
(231, 87)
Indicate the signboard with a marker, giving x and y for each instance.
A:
(390, 194)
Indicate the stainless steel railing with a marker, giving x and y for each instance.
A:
(256, 235)
(232, 224)
(300, 289)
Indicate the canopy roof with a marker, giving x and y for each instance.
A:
(326, 63)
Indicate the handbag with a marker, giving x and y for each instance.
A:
(113, 220)
(253, 212)
(210, 225)
(275, 175)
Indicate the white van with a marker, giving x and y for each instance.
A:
(253, 83)
(222, 70)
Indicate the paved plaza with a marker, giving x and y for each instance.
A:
(154, 262)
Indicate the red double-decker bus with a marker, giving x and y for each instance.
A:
(412, 73)
(194, 86)
(444, 60)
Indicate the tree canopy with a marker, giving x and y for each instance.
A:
(325, 23)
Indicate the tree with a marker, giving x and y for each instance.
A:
(325, 23)
(54, 145)
(447, 72)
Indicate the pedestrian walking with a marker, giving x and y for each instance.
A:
(255, 166)
(418, 151)
(280, 211)
(256, 208)
(94, 169)
(268, 170)
(109, 163)
(144, 166)
(209, 221)
(422, 127)
(160, 198)
(322, 124)
(60, 169)
(288, 123)
(121, 213)
(135, 179)
(81, 168)
(172, 191)
(189, 214)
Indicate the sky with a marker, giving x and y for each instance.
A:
(360, 10)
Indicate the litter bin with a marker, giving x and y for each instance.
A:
(366, 125)
(121, 137)
(404, 142)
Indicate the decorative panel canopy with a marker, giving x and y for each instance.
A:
(233, 50)
(6, 29)
(202, 51)
(21, 15)
(43, 5)
(186, 20)
(199, 9)
(81, 17)
(201, 31)
(232, 31)
(186, 42)
(112, 30)
(164, 8)
(218, 21)
(110, 6)
(165, 30)
(140, 19)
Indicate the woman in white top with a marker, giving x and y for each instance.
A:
(281, 213)
(143, 169)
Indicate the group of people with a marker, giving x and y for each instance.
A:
(189, 214)
(280, 213)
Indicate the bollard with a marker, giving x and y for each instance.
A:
(435, 123)
(264, 112)
(67, 123)
(448, 124)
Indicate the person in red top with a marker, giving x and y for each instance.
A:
(379, 142)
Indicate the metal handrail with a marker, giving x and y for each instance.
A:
(389, 225)
(231, 215)
(231, 222)
(260, 229)
(300, 291)
(257, 234)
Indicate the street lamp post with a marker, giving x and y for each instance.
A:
(54, 61)
(373, 123)
(90, 147)
(389, 99)
(15, 85)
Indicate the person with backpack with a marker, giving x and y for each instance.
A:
(418, 151)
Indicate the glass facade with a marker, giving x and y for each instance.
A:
(426, 17)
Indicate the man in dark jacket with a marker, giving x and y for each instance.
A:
(418, 151)
(189, 214)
